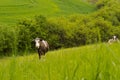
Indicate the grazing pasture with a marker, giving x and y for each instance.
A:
(13, 10)
(91, 62)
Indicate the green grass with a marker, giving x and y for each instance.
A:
(13, 10)
(92, 62)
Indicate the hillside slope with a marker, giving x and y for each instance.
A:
(12, 10)
(93, 62)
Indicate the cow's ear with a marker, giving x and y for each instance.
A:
(40, 39)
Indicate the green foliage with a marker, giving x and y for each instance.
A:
(110, 11)
(8, 40)
(65, 31)
(24, 35)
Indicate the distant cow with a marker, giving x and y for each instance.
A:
(42, 46)
(114, 39)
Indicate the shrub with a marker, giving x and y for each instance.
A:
(8, 40)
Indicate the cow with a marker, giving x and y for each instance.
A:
(113, 40)
(42, 46)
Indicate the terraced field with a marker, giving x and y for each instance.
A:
(13, 10)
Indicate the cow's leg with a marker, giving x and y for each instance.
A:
(43, 55)
(39, 53)
(44, 52)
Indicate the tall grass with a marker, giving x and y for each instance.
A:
(92, 62)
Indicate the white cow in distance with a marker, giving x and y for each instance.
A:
(113, 40)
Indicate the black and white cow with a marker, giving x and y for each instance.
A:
(113, 40)
(42, 46)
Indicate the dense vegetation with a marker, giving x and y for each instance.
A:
(93, 62)
(64, 31)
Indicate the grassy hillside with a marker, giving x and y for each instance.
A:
(93, 62)
(13, 10)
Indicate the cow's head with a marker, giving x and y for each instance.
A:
(114, 37)
(37, 42)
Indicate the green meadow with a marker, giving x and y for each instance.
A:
(91, 62)
(11, 11)
(76, 31)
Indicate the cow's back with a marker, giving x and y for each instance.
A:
(44, 46)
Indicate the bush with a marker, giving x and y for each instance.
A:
(110, 11)
(65, 31)
(8, 40)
